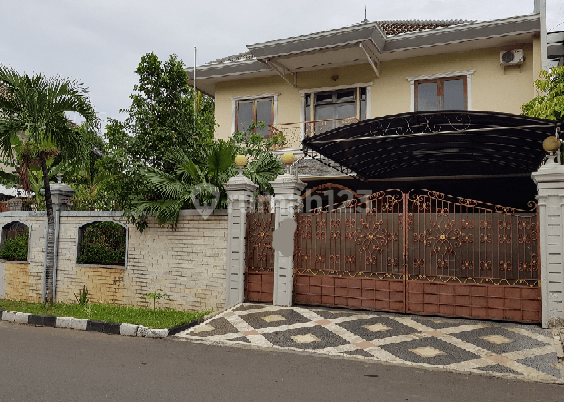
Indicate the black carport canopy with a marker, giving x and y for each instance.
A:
(437, 144)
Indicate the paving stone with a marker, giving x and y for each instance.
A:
(257, 320)
(221, 327)
(401, 338)
(452, 354)
(243, 339)
(498, 368)
(544, 363)
(358, 352)
(518, 341)
(331, 313)
(285, 338)
(361, 328)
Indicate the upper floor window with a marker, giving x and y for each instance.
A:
(441, 94)
(446, 91)
(248, 110)
(332, 107)
(339, 104)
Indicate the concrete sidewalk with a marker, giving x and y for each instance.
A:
(525, 352)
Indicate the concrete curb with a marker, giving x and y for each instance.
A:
(93, 325)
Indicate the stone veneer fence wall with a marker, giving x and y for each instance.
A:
(187, 263)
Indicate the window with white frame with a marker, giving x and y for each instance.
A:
(254, 109)
(445, 91)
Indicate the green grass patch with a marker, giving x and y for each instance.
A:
(159, 318)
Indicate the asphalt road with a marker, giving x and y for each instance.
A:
(55, 364)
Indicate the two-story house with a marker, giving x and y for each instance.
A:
(391, 81)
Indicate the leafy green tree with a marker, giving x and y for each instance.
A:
(36, 105)
(160, 118)
(551, 105)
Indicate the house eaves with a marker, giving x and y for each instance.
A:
(258, 61)
(337, 38)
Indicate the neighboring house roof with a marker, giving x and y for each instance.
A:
(377, 41)
(404, 26)
(555, 49)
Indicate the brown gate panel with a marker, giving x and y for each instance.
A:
(259, 286)
(355, 293)
(420, 252)
(349, 255)
(259, 272)
(470, 300)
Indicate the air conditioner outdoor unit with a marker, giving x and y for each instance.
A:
(511, 57)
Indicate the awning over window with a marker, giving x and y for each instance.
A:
(430, 144)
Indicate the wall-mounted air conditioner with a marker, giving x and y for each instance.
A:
(511, 57)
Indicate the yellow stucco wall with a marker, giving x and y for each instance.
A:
(493, 88)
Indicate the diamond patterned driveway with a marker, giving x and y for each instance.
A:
(501, 349)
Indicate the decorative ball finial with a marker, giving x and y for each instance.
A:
(240, 161)
(551, 144)
(288, 158)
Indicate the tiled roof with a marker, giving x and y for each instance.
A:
(391, 28)
(404, 26)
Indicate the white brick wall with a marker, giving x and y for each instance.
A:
(188, 263)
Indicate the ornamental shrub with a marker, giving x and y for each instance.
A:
(102, 243)
(15, 249)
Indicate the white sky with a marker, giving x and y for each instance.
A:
(101, 42)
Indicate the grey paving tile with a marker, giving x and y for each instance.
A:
(544, 363)
(251, 306)
(359, 327)
(221, 327)
(453, 354)
(358, 352)
(441, 322)
(257, 320)
(518, 341)
(336, 313)
(326, 338)
(240, 339)
(498, 368)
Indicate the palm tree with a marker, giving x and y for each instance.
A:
(199, 179)
(36, 105)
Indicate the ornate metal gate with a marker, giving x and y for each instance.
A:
(420, 252)
(259, 256)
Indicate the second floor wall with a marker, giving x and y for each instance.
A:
(484, 83)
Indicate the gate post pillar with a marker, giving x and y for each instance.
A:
(550, 195)
(240, 191)
(287, 196)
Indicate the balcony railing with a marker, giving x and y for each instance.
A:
(295, 132)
